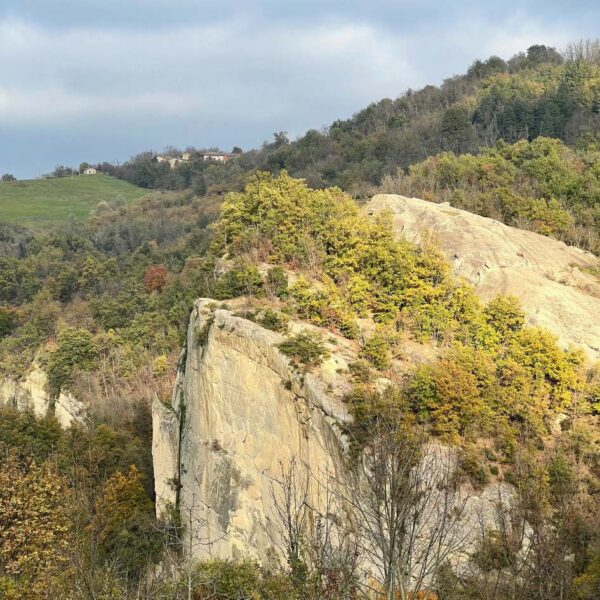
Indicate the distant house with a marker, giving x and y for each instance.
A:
(186, 156)
(218, 156)
(90, 171)
(175, 161)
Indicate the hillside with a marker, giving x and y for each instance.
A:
(324, 336)
(43, 201)
(557, 285)
(536, 93)
(514, 140)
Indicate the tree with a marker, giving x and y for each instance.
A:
(406, 506)
(34, 530)
(156, 278)
(76, 349)
(8, 177)
(320, 550)
(457, 129)
(123, 523)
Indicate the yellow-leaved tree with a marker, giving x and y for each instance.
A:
(34, 530)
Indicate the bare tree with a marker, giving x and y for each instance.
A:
(184, 538)
(405, 500)
(289, 494)
(320, 549)
(583, 50)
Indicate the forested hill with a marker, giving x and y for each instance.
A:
(551, 187)
(538, 93)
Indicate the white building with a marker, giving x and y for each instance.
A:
(90, 171)
(218, 156)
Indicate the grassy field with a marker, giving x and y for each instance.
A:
(39, 201)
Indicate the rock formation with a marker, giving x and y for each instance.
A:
(240, 415)
(558, 285)
(31, 393)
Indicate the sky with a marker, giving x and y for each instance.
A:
(94, 81)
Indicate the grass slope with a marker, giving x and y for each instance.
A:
(40, 201)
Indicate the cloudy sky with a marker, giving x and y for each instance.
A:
(103, 80)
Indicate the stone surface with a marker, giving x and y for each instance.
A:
(244, 416)
(165, 455)
(30, 393)
(240, 416)
(552, 280)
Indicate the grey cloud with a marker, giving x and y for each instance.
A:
(101, 81)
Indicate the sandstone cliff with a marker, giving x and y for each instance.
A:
(30, 393)
(239, 416)
(555, 283)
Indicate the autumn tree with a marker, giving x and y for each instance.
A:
(123, 523)
(34, 530)
(156, 278)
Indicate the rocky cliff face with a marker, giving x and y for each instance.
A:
(240, 415)
(555, 283)
(30, 393)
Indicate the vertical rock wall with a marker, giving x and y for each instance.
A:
(239, 416)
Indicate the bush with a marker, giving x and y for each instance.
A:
(472, 465)
(273, 321)
(361, 371)
(76, 349)
(6, 322)
(277, 282)
(305, 348)
(377, 351)
(241, 281)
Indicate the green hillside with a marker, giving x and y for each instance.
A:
(54, 200)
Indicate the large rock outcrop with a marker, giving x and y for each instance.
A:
(555, 283)
(240, 416)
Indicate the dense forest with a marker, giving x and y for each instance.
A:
(102, 307)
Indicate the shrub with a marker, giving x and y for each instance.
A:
(231, 580)
(76, 349)
(505, 315)
(472, 465)
(273, 321)
(308, 302)
(277, 282)
(377, 351)
(305, 348)
(6, 322)
(361, 371)
(204, 331)
(241, 281)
